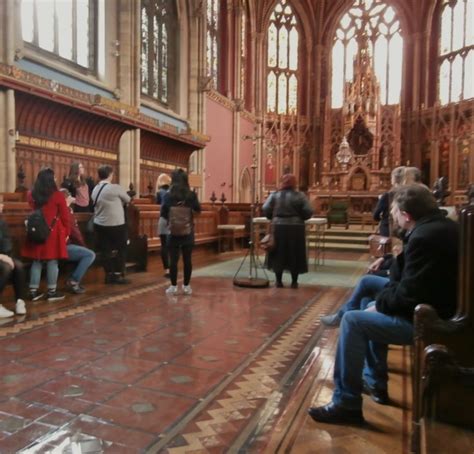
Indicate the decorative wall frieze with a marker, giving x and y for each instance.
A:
(221, 99)
(65, 147)
(21, 80)
(157, 164)
(248, 116)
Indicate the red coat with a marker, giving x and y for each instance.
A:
(55, 246)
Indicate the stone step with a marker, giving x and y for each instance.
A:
(346, 247)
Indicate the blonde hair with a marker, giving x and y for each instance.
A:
(398, 175)
(412, 175)
(162, 180)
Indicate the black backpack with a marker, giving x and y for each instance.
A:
(37, 229)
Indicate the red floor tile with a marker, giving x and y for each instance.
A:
(187, 381)
(207, 358)
(143, 409)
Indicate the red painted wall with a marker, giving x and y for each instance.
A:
(218, 154)
(246, 146)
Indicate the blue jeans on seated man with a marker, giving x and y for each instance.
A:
(364, 336)
(85, 257)
(365, 291)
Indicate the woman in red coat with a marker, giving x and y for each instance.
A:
(45, 196)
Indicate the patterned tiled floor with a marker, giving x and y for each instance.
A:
(144, 372)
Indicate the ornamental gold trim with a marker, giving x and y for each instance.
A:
(158, 165)
(66, 147)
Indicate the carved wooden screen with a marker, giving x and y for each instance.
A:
(456, 53)
(379, 22)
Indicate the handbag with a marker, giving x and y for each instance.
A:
(267, 243)
(379, 245)
(90, 223)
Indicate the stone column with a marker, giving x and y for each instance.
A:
(197, 81)
(128, 87)
(9, 42)
(7, 141)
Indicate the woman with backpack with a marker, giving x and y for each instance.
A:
(178, 207)
(48, 202)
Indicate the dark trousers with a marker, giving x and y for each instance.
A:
(16, 276)
(164, 251)
(174, 258)
(112, 243)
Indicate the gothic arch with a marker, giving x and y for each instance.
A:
(362, 170)
(245, 186)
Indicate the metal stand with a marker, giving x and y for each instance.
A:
(252, 280)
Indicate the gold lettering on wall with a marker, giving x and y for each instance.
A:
(67, 148)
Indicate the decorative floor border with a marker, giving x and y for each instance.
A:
(245, 391)
(87, 306)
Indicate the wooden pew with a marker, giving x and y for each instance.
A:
(443, 388)
(13, 196)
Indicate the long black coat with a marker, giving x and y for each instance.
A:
(5, 239)
(426, 272)
(288, 210)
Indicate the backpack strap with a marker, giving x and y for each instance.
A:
(98, 194)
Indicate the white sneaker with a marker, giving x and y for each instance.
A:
(5, 313)
(20, 307)
(171, 290)
(187, 290)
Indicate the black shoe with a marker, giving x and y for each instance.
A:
(294, 285)
(378, 395)
(279, 285)
(332, 414)
(120, 280)
(331, 320)
(35, 295)
(55, 296)
(74, 287)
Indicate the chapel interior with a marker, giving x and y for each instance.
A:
(236, 93)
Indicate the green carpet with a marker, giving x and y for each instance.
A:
(334, 273)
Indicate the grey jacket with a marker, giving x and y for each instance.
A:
(109, 208)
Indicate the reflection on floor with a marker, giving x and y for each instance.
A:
(224, 369)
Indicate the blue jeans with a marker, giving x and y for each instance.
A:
(364, 336)
(367, 287)
(85, 257)
(51, 274)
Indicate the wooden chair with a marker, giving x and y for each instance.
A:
(443, 366)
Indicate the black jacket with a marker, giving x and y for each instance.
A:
(382, 214)
(287, 207)
(426, 272)
(5, 239)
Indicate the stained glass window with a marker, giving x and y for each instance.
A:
(456, 50)
(282, 60)
(212, 50)
(63, 27)
(158, 52)
(380, 23)
(243, 54)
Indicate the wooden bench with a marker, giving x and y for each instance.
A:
(443, 365)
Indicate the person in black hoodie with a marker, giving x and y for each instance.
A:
(11, 270)
(425, 272)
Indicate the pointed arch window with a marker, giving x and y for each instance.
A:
(282, 60)
(158, 52)
(243, 54)
(456, 52)
(212, 45)
(379, 22)
(64, 28)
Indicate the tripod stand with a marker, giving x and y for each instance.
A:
(252, 279)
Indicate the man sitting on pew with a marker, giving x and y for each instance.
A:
(424, 273)
(11, 270)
